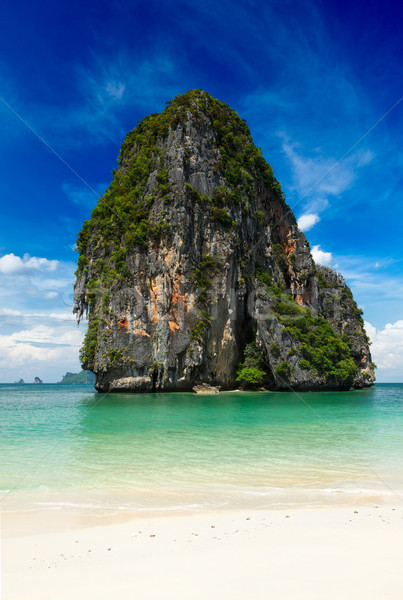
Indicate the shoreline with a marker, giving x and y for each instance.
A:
(351, 552)
(23, 521)
(64, 510)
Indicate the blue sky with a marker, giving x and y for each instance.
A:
(319, 83)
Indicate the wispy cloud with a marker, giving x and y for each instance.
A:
(50, 295)
(310, 172)
(111, 92)
(123, 79)
(367, 275)
(109, 87)
(115, 90)
(316, 177)
(82, 196)
(315, 105)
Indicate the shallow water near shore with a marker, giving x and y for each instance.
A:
(68, 448)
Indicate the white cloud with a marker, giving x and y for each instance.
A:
(32, 284)
(387, 349)
(10, 264)
(307, 221)
(9, 312)
(38, 332)
(321, 257)
(45, 345)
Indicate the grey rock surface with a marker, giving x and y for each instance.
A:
(156, 327)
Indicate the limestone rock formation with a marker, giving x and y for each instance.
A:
(192, 269)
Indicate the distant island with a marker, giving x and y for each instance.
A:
(20, 382)
(37, 380)
(82, 378)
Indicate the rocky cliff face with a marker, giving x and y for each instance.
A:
(192, 269)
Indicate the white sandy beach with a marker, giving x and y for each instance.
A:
(340, 552)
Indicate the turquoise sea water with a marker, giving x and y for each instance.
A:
(68, 447)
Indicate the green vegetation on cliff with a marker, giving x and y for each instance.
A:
(88, 349)
(322, 349)
(250, 374)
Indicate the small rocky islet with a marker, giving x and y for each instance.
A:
(192, 269)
